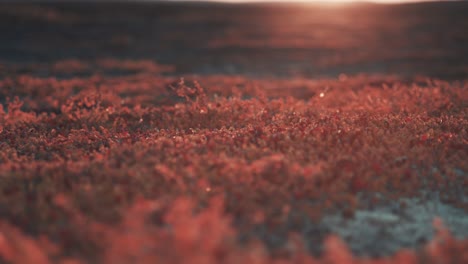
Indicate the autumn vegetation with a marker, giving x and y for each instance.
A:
(143, 167)
(211, 133)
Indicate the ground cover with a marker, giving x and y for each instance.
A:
(149, 168)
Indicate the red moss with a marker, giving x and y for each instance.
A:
(145, 168)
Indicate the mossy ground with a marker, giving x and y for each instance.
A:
(105, 159)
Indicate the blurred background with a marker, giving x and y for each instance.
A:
(255, 39)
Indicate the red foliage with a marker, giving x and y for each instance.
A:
(120, 170)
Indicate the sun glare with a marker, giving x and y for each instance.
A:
(327, 1)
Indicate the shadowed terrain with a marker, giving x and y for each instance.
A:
(256, 39)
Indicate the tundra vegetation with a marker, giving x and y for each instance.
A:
(148, 168)
(212, 133)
